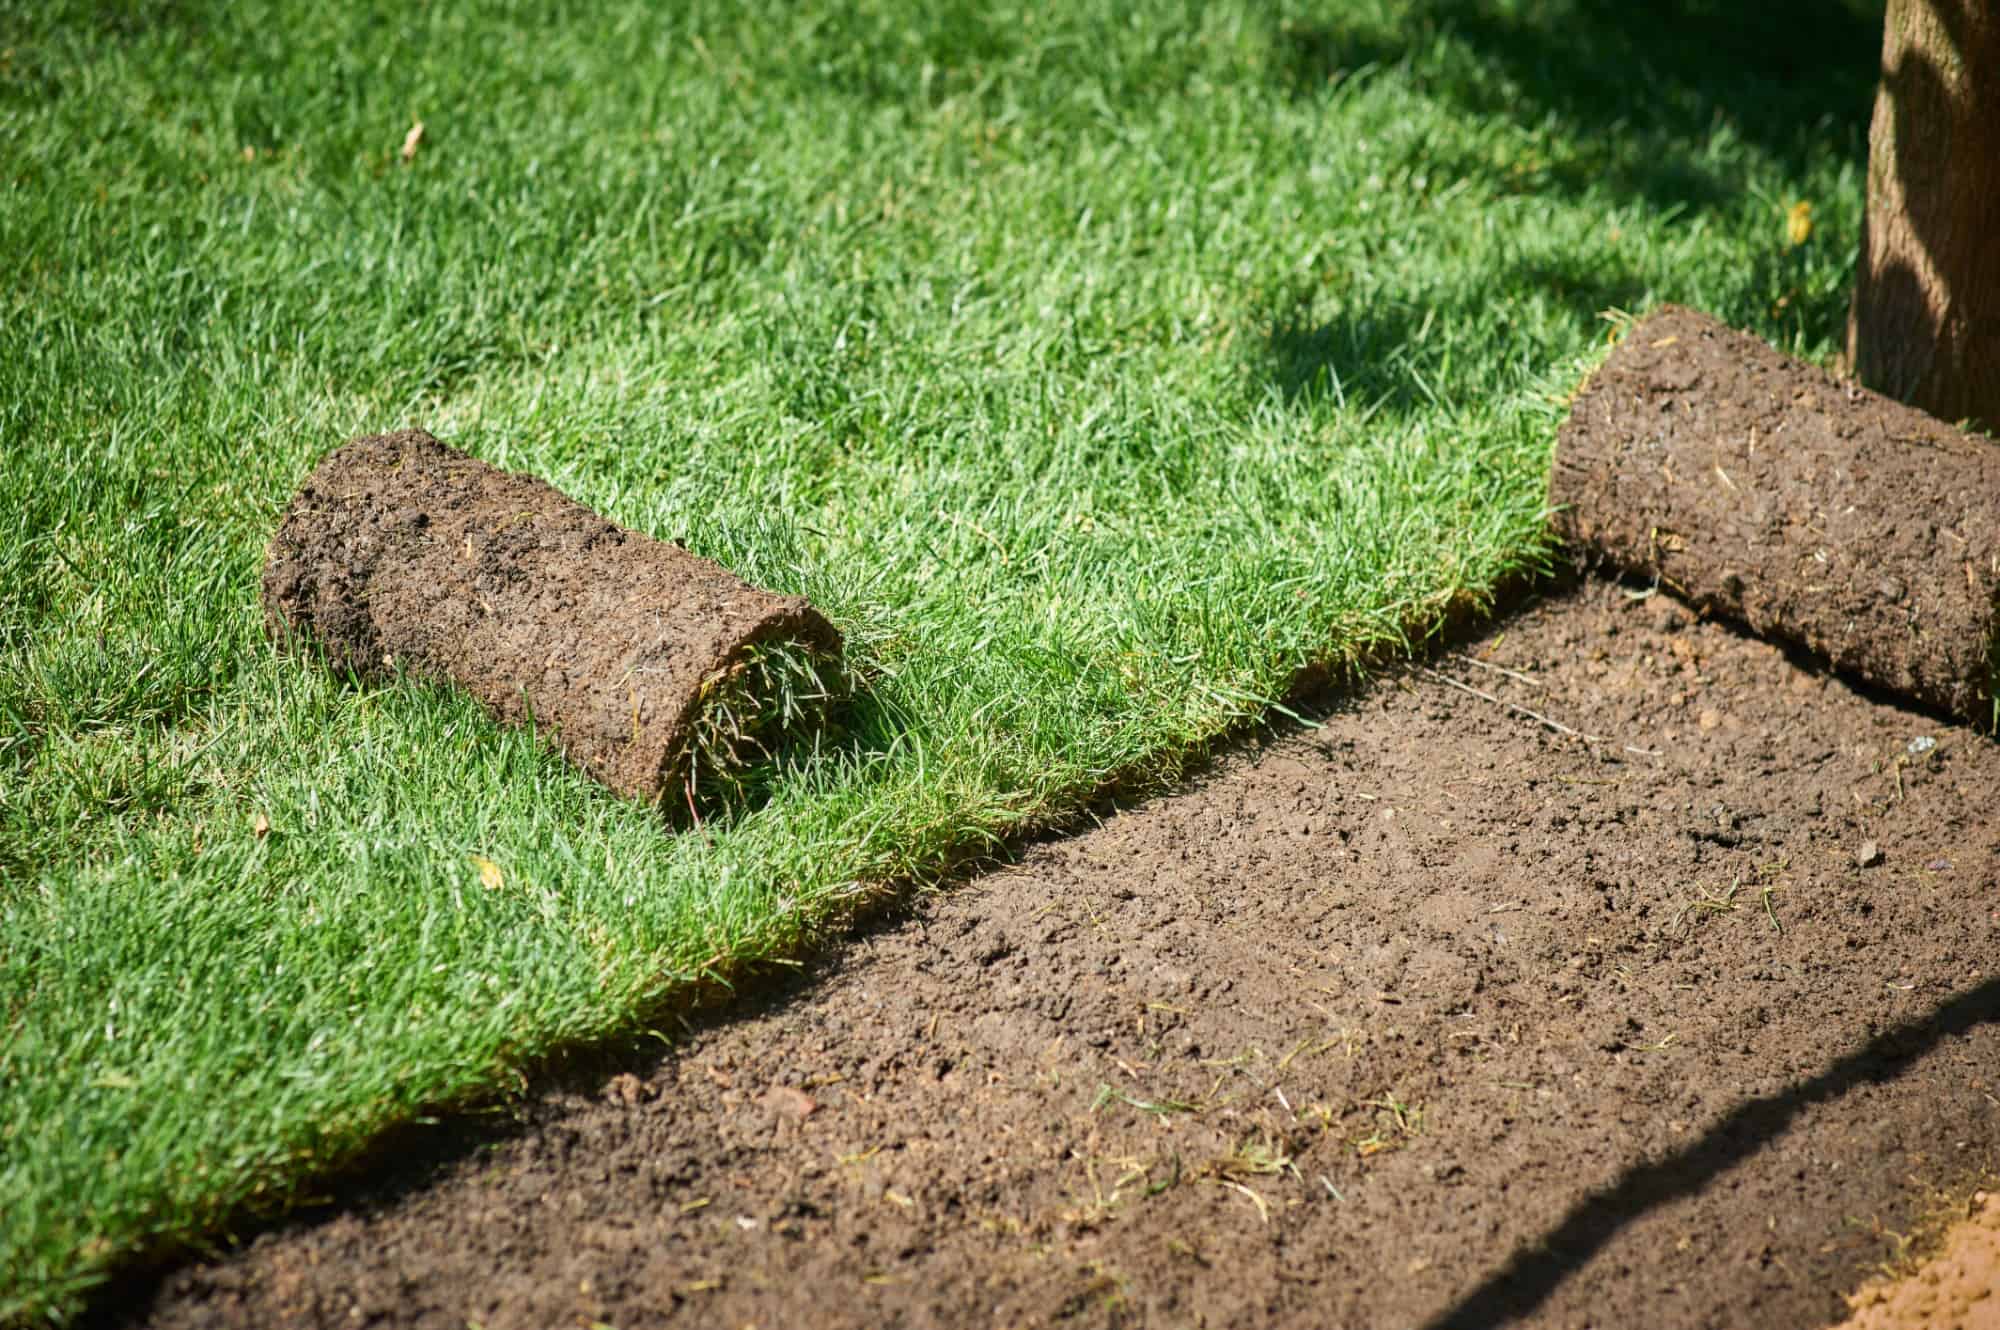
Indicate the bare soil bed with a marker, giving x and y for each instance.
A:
(1432, 1016)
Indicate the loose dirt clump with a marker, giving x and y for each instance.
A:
(1431, 1016)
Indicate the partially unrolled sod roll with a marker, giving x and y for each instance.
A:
(659, 672)
(1813, 511)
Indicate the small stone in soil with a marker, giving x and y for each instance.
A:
(1869, 854)
(625, 1088)
(789, 1099)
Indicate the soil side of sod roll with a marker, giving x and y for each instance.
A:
(1817, 513)
(400, 552)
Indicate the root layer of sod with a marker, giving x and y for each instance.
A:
(1816, 512)
(640, 659)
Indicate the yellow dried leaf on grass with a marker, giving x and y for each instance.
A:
(489, 873)
(1799, 223)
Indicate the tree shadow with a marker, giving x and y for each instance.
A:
(1534, 1272)
(1362, 356)
(1658, 81)
(1391, 353)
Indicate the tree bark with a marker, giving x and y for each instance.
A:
(1925, 323)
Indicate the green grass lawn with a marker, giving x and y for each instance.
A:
(1096, 371)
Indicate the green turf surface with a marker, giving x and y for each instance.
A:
(1095, 371)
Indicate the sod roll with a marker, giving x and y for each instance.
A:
(658, 672)
(1815, 512)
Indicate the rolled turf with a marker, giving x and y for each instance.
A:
(660, 673)
(1815, 512)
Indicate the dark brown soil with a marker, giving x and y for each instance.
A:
(401, 552)
(1818, 513)
(1433, 1017)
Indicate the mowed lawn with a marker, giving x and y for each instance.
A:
(1097, 368)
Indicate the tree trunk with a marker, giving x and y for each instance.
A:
(1925, 323)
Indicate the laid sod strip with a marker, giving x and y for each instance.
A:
(1096, 368)
(1761, 488)
(644, 662)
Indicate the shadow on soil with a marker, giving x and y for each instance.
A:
(1576, 566)
(1534, 1272)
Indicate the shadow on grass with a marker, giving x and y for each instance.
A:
(1368, 355)
(1782, 77)
(1655, 103)
(1534, 1272)
(1649, 102)
(1391, 353)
